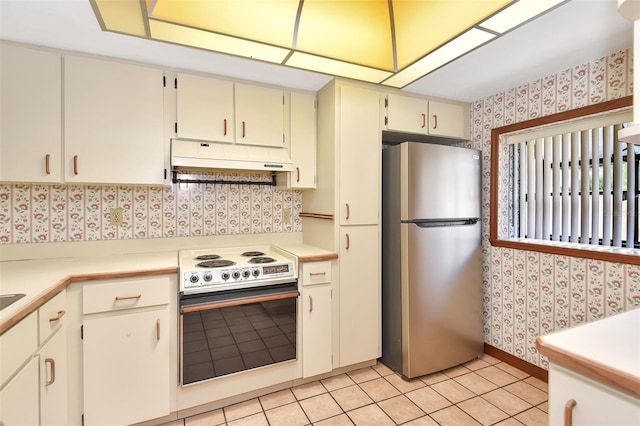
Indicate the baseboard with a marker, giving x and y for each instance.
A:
(516, 362)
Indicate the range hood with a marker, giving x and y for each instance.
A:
(197, 155)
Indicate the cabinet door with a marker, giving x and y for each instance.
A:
(447, 120)
(303, 140)
(53, 380)
(19, 403)
(596, 403)
(359, 294)
(259, 116)
(31, 119)
(126, 367)
(316, 330)
(113, 122)
(205, 108)
(406, 114)
(360, 148)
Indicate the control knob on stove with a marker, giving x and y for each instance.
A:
(207, 276)
(255, 272)
(236, 275)
(246, 273)
(194, 278)
(225, 276)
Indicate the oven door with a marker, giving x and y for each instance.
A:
(236, 330)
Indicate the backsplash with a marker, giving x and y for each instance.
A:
(60, 213)
(526, 293)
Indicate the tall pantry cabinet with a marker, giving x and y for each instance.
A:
(347, 197)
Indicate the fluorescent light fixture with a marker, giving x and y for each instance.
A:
(392, 42)
(518, 13)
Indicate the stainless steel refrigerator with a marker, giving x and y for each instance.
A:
(431, 257)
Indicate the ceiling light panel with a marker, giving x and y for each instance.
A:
(219, 43)
(337, 68)
(422, 26)
(519, 12)
(265, 21)
(354, 31)
(120, 16)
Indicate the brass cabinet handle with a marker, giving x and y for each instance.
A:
(347, 241)
(244, 129)
(347, 211)
(313, 274)
(52, 365)
(57, 317)
(424, 120)
(75, 164)
(310, 304)
(137, 296)
(568, 412)
(225, 127)
(158, 329)
(47, 159)
(298, 174)
(435, 121)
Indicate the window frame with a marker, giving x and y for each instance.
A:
(584, 251)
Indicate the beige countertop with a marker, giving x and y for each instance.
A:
(41, 279)
(607, 350)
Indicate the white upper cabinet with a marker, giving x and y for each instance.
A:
(259, 115)
(448, 120)
(205, 108)
(31, 115)
(303, 141)
(427, 117)
(113, 122)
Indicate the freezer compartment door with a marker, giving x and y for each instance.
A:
(442, 296)
(440, 181)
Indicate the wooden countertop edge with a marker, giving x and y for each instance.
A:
(317, 258)
(48, 294)
(611, 376)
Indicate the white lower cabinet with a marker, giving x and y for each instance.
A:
(53, 380)
(596, 404)
(19, 403)
(316, 318)
(126, 351)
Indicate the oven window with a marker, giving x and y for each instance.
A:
(227, 340)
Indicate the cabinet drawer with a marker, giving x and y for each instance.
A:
(125, 294)
(51, 315)
(316, 272)
(17, 345)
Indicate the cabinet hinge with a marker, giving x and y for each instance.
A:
(282, 100)
(175, 83)
(386, 121)
(283, 138)
(82, 332)
(386, 102)
(175, 127)
(82, 419)
(165, 174)
(164, 81)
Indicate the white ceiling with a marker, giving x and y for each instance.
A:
(574, 33)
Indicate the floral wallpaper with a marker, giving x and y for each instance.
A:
(59, 213)
(526, 293)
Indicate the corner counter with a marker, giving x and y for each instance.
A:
(594, 371)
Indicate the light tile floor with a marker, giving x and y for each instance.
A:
(485, 391)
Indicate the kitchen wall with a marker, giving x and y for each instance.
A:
(60, 213)
(526, 293)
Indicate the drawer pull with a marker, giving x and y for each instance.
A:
(75, 164)
(47, 160)
(137, 296)
(435, 121)
(568, 412)
(158, 329)
(424, 120)
(310, 304)
(57, 317)
(313, 274)
(52, 365)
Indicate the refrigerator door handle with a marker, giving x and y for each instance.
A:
(437, 223)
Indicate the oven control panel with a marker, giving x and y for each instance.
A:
(225, 277)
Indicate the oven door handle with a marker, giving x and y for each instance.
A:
(241, 301)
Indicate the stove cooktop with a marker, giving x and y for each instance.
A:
(218, 269)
